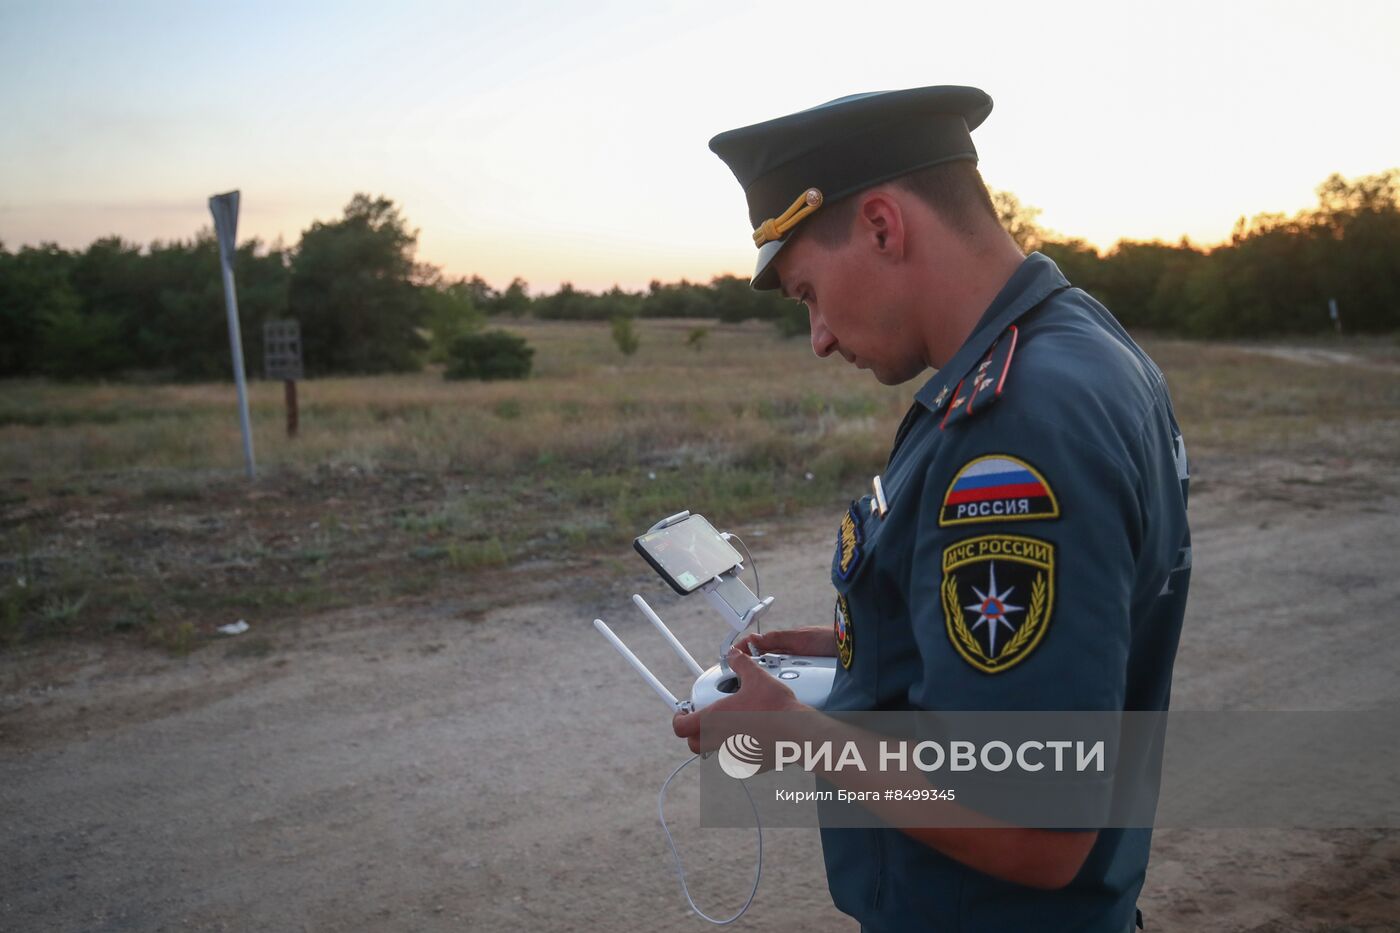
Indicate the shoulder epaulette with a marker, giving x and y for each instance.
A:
(982, 386)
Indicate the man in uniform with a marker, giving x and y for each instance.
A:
(1027, 545)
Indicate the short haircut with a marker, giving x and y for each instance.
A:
(954, 190)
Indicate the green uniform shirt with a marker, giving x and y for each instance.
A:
(1035, 555)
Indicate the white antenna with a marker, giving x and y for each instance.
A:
(667, 697)
(674, 642)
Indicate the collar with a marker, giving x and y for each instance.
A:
(1036, 279)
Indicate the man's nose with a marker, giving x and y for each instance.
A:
(823, 341)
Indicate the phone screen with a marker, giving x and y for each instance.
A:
(688, 553)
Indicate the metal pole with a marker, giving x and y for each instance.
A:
(236, 342)
(225, 210)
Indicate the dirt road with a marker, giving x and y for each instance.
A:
(421, 770)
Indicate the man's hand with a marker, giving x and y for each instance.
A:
(814, 641)
(759, 692)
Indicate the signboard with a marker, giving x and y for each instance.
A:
(282, 350)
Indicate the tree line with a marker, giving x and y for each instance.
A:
(367, 306)
(364, 304)
(1276, 275)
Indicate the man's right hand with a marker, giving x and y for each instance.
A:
(816, 641)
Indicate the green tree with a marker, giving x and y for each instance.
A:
(114, 288)
(515, 300)
(565, 304)
(34, 285)
(1079, 261)
(615, 303)
(678, 299)
(492, 354)
(1019, 220)
(793, 320)
(451, 311)
(732, 299)
(571, 304)
(354, 288)
(1135, 280)
(115, 307)
(482, 295)
(624, 334)
(1355, 239)
(74, 344)
(263, 276)
(182, 329)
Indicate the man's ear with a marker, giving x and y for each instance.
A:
(880, 221)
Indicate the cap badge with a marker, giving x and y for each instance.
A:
(775, 228)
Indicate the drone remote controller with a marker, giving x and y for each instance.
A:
(691, 556)
(809, 678)
(680, 557)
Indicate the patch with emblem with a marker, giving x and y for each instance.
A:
(998, 593)
(997, 488)
(848, 542)
(845, 643)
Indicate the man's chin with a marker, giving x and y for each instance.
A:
(896, 377)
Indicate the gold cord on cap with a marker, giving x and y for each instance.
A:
(775, 228)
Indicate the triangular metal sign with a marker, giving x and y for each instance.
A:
(224, 207)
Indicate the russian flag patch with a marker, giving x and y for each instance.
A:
(997, 488)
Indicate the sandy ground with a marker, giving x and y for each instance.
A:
(1320, 356)
(430, 769)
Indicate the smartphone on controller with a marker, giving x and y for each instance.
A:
(687, 554)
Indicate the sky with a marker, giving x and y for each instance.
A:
(568, 141)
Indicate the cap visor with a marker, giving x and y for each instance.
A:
(765, 277)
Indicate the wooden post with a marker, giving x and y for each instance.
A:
(289, 387)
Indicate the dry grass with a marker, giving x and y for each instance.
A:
(1234, 401)
(123, 506)
(586, 407)
(127, 505)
